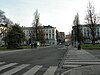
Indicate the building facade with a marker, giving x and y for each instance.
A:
(61, 37)
(49, 34)
(84, 34)
(28, 34)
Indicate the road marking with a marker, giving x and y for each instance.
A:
(51, 70)
(66, 66)
(83, 63)
(33, 70)
(2, 63)
(82, 60)
(6, 66)
(72, 58)
(12, 71)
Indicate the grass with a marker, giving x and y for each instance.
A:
(90, 46)
(5, 48)
(26, 47)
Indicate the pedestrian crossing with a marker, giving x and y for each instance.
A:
(78, 63)
(50, 70)
(33, 70)
(6, 70)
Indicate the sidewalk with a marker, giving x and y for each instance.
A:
(82, 63)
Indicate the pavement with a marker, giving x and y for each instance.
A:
(80, 62)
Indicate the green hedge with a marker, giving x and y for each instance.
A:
(23, 47)
(90, 46)
(3, 48)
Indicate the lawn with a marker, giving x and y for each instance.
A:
(90, 46)
(5, 48)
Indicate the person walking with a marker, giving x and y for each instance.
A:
(35, 45)
(79, 47)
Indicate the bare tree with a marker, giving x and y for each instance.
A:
(77, 28)
(41, 35)
(91, 19)
(35, 24)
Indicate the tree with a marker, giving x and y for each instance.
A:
(41, 36)
(77, 28)
(36, 24)
(38, 29)
(91, 19)
(15, 37)
(4, 23)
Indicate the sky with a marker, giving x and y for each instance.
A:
(57, 13)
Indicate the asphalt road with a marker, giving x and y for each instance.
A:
(46, 57)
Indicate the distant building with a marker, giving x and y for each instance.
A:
(49, 33)
(28, 34)
(61, 37)
(85, 34)
(68, 37)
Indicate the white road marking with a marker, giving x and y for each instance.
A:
(83, 63)
(6, 66)
(97, 60)
(12, 71)
(65, 66)
(33, 70)
(2, 63)
(51, 70)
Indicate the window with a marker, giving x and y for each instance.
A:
(97, 31)
(85, 32)
(49, 31)
(53, 43)
(52, 36)
(52, 31)
(46, 35)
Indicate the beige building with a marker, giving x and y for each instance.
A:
(49, 33)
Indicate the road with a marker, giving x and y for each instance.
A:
(43, 60)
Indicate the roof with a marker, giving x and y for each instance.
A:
(27, 28)
(48, 26)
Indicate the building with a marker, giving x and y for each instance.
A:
(61, 37)
(84, 34)
(68, 37)
(28, 34)
(49, 34)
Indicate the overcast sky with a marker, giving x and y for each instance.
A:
(57, 13)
